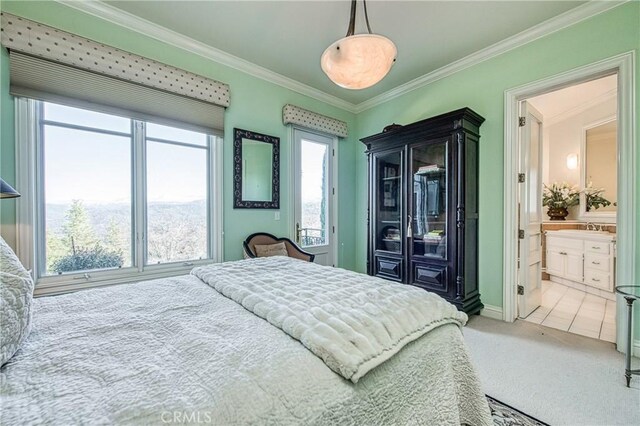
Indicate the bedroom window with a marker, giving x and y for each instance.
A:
(114, 197)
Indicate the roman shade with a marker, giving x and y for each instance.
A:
(292, 114)
(53, 65)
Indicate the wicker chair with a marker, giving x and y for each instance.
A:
(260, 238)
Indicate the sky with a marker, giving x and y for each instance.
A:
(96, 168)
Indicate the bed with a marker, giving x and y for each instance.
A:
(182, 350)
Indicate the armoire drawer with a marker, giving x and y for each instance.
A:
(430, 276)
(389, 268)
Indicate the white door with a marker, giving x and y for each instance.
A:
(314, 216)
(530, 218)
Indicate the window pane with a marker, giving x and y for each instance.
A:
(176, 203)
(87, 191)
(175, 134)
(82, 117)
(314, 170)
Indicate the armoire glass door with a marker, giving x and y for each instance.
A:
(429, 202)
(388, 186)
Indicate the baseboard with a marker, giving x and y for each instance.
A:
(494, 312)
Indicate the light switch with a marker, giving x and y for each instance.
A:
(276, 215)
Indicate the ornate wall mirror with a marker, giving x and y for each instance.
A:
(256, 170)
(599, 171)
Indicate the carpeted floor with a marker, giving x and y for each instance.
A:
(505, 415)
(556, 377)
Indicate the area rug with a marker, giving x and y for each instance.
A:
(505, 415)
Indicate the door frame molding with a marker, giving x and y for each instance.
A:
(623, 65)
(333, 194)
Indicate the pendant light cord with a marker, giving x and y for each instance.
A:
(366, 16)
(352, 19)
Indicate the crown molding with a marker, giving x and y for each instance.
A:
(165, 35)
(160, 33)
(543, 29)
(563, 115)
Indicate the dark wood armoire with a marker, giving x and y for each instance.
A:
(423, 206)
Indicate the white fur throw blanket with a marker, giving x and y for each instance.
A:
(353, 322)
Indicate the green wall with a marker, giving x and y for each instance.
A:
(481, 87)
(255, 105)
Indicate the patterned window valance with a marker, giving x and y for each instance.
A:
(62, 47)
(292, 114)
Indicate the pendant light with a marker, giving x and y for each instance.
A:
(358, 61)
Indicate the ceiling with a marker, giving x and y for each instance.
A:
(573, 99)
(288, 37)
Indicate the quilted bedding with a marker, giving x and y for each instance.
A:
(176, 351)
(353, 322)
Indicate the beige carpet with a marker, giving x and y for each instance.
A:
(557, 377)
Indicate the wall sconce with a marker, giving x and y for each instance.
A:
(572, 161)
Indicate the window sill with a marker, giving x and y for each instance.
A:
(49, 287)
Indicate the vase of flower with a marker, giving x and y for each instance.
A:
(557, 213)
(558, 197)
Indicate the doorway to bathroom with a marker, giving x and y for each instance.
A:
(585, 255)
(567, 252)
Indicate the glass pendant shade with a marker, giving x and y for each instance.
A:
(359, 61)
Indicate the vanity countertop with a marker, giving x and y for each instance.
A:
(582, 234)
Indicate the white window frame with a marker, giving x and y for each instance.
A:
(30, 230)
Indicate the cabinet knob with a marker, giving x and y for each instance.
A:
(595, 247)
(595, 263)
(595, 279)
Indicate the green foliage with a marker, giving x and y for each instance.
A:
(114, 239)
(77, 229)
(56, 248)
(593, 197)
(78, 248)
(559, 195)
(595, 200)
(84, 259)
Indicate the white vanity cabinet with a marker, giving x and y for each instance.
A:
(584, 257)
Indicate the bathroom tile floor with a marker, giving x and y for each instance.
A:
(575, 311)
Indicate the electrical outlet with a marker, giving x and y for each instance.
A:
(276, 215)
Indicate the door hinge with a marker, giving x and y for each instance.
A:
(333, 229)
(521, 177)
(521, 234)
(333, 152)
(333, 191)
(522, 121)
(520, 290)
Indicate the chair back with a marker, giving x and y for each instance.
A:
(263, 238)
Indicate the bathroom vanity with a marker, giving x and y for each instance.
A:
(582, 259)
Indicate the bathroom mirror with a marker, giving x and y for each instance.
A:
(256, 166)
(599, 172)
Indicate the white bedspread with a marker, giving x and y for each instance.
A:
(353, 322)
(176, 351)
